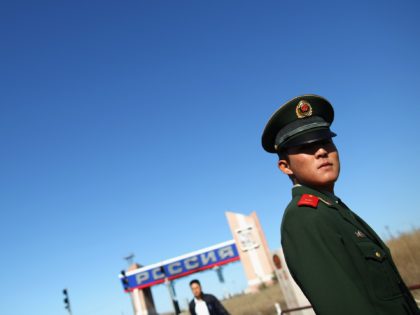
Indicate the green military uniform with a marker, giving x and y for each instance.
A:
(338, 261)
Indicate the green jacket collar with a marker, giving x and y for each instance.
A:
(299, 190)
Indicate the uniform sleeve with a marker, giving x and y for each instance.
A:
(319, 263)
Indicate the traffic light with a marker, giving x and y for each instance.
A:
(66, 300)
(124, 280)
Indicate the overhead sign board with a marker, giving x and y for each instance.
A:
(181, 266)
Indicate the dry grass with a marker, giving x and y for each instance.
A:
(405, 251)
(261, 303)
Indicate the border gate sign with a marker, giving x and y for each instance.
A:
(181, 266)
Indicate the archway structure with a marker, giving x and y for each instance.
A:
(249, 246)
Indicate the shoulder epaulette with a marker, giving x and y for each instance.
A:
(308, 200)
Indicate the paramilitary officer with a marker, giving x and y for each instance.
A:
(338, 261)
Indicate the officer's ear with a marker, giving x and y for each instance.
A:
(283, 163)
(284, 166)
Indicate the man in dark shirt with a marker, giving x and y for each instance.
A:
(204, 304)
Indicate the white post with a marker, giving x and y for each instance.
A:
(137, 303)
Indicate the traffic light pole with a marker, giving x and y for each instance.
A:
(219, 272)
(172, 294)
(171, 289)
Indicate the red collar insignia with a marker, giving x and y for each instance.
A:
(308, 200)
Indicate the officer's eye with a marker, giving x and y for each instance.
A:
(311, 148)
(325, 142)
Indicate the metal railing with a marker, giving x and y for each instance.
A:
(295, 309)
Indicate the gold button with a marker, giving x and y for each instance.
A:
(378, 254)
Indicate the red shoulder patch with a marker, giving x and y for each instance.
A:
(308, 200)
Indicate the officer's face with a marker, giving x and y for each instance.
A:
(315, 164)
(196, 290)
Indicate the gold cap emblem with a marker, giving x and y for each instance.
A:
(303, 109)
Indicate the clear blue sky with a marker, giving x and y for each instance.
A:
(132, 126)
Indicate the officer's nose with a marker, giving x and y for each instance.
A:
(321, 152)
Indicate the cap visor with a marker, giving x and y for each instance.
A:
(309, 137)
